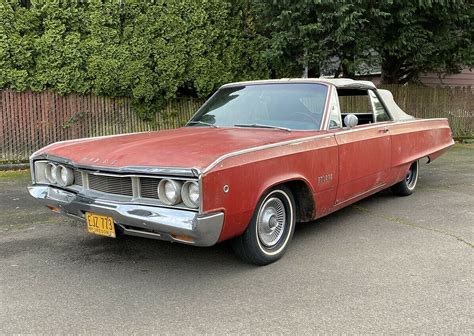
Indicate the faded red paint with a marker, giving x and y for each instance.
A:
(361, 161)
(355, 163)
(188, 147)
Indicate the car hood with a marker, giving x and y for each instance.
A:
(187, 147)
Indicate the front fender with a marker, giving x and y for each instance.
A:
(237, 190)
(246, 177)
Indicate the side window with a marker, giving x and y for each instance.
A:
(354, 101)
(335, 112)
(380, 113)
(357, 102)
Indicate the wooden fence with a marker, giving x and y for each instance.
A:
(456, 104)
(30, 120)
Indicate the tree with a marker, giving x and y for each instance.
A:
(18, 27)
(404, 37)
(315, 33)
(296, 36)
(424, 36)
(151, 51)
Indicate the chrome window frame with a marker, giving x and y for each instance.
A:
(334, 103)
(323, 116)
(370, 101)
(374, 91)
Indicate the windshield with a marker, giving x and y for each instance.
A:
(283, 106)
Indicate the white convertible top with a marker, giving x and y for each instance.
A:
(337, 82)
(341, 83)
(395, 111)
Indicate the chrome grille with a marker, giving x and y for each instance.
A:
(134, 187)
(77, 177)
(149, 187)
(111, 184)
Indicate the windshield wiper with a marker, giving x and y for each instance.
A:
(263, 126)
(202, 123)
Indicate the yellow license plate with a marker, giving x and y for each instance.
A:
(100, 225)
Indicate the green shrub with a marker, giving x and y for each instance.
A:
(151, 51)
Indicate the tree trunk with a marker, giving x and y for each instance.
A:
(314, 72)
(338, 71)
(346, 72)
(347, 60)
(396, 71)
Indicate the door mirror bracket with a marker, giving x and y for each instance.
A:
(351, 120)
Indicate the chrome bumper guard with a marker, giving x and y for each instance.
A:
(137, 220)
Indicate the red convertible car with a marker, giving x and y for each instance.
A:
(255, 159)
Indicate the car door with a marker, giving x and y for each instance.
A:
(364, 153)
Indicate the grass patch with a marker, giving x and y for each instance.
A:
(464, 145)
(14, 161)
(14, 174)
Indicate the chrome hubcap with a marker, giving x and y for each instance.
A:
(271, 222)
(411, 176)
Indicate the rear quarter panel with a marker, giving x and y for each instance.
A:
(415, 139)
(249, 175)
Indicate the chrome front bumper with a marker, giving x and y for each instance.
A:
(137, 220)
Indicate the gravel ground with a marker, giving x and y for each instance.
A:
(386, 264)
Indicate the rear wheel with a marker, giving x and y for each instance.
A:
(408, 185)
(270, 230)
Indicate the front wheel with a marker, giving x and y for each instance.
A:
(270, 230)
(408, 185)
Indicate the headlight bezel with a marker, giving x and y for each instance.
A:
(49, 172)
(186, 194)
(60, 180)
(176, 184)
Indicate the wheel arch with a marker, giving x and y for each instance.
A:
(305, 204)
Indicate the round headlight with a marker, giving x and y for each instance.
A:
(169, 191)
(50, 172)
(64, 176)
(190, 194)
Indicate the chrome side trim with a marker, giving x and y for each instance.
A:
(345, 130)
(319, 136)
(385, 124)
(254, 149)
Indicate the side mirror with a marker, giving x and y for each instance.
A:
(351, 120)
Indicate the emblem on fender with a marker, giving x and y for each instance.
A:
(324, 178)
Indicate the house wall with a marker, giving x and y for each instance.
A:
(463, 79)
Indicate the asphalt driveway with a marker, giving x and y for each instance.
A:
(385, 264)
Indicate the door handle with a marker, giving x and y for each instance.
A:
(384, 130)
